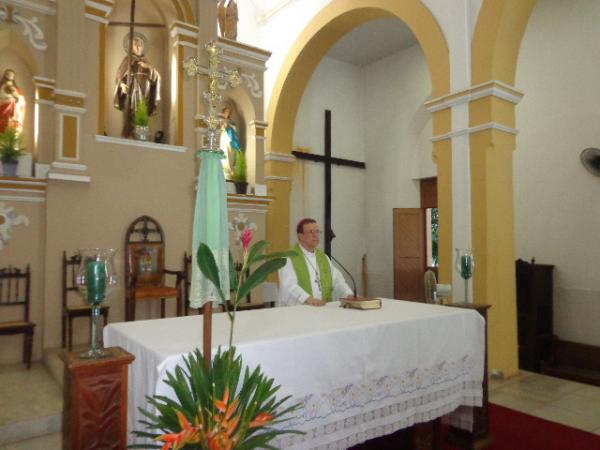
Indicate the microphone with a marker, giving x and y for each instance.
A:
(342, 266)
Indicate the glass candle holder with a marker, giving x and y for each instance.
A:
(465, 264)
(95, 279)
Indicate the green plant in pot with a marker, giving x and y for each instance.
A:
(141, 120)
(10, 150)
(225, 405)
(238, 176)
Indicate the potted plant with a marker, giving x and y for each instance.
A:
(226, 405)
(141, 119)
(238, 176)
(10, 150)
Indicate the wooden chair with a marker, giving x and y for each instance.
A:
(70, 311)
(145, 267)
(14, 292)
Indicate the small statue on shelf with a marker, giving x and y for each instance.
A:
(141, 83)
(230, 142)
(227, 11)
(12, 103)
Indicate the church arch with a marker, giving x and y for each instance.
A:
(497, 38)
(333, 22)
(330, 24)
(13, 42)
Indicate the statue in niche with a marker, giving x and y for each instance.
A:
(142, 82)
(229, 141)
(12, 103)
(227, 11)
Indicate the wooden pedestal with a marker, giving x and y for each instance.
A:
(95, 401)
(480, 437)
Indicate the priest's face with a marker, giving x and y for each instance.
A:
(310, 237)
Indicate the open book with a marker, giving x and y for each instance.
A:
(360, 303)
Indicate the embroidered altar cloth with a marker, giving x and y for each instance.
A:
(358, 374)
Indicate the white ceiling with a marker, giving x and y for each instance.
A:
(373, 41)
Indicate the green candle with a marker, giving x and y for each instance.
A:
(96, 280)
(466, 266)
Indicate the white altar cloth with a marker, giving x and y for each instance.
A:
(359, 374)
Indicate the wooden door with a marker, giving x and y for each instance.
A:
(409, 253)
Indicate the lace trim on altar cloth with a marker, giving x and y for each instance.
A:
(383, 405)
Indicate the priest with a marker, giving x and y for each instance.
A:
(308, 277)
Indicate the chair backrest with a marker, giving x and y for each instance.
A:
(430, 286)
(14, 288)
(187, 272)
(70, 266)
(145, 252)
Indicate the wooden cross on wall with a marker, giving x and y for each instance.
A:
(328, 160)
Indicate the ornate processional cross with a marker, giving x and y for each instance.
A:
(328, 160)
(216, 79)
(206, 210)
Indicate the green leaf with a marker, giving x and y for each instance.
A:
(286, 254)
(232, 274)
(208, 267)
(260, 275)
(256, 250)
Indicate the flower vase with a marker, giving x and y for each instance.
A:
(95, 279)
(141, 133)
(465, 264)
(9, 169)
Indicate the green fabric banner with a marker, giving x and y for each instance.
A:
(210, 227)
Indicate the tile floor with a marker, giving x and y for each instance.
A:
(35, 396)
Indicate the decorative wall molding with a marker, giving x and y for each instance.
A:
(33, 6)
(493, 88)
(249, 199)
(68, 166)
(184, 34)
(141, 144)
(98, 10)
(238, 224)
(29, 25)
(282, 157)
(69, 177)
(8, 220)
(475, 129)
(277, 178)
(252, 84)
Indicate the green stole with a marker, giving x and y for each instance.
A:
(301, 269)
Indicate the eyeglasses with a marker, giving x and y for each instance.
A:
(317, 232)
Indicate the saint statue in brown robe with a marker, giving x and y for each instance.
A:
(144, 83)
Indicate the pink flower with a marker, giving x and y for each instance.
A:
(246, 237)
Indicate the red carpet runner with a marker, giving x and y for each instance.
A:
(513, 430)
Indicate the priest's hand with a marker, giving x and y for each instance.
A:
(314, 301)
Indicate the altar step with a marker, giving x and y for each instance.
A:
(31, 411)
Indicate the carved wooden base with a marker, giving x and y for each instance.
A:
(95, 401)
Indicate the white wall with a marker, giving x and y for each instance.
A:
(557, 201)
(397, 132)
(377, 117)
(335, 86)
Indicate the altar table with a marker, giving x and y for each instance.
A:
(358, 374)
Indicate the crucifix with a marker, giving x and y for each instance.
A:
(217, 79)
(328, 160)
